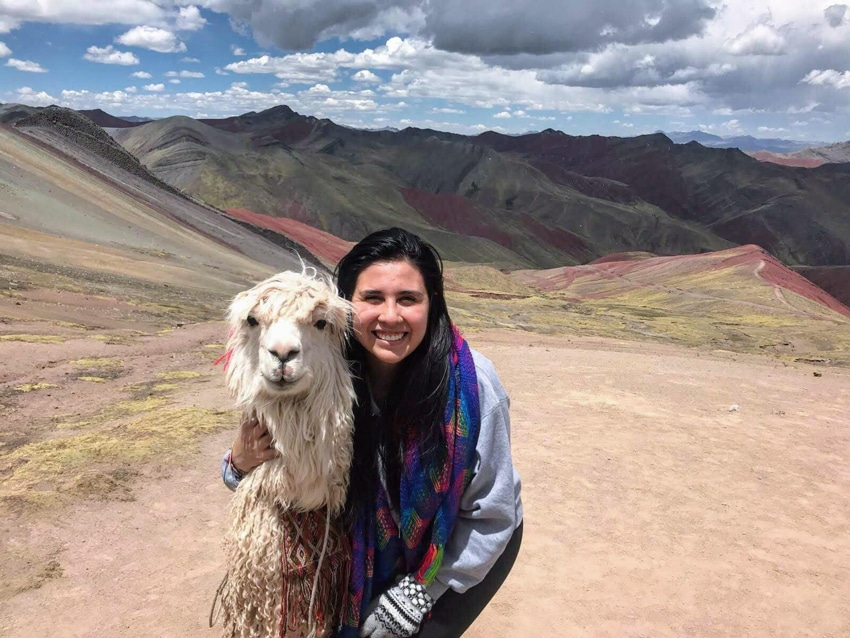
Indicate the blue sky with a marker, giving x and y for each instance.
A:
(610, 67)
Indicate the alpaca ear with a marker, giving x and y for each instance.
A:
(240, 307)
(339, 313)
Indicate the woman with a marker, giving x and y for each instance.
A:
(434, 499)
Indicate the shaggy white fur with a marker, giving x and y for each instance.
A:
(287, 368)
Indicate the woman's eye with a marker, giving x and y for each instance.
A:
(320, 324)
(252, 321)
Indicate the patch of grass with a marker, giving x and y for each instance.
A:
(32, 387)
(178, 375)
(668, 316)
(99, 464)
(98, 369)
(148, 389)
(98, 362)
(115, 411)
(73, 326)
(26, 338)
(115, 340)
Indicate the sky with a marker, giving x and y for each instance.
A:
(770, 69)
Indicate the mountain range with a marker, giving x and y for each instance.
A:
(542, 200)
(746, 143)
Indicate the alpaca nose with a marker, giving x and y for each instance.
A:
(284, 355)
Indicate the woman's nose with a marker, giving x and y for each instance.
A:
(389, 312)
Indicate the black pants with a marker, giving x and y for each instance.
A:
(453, 613)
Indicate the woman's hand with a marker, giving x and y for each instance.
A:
(252, 447)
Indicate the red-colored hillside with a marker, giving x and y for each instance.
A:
(653, 271)
(322, 244)
(773, 158)
(455, 213)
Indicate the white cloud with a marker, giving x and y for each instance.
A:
(189, 19)
(218, 71)
(184, 74)
(448, 110)
(109, 55)
(189, 59)
(81, 12)
(4, 50)
(131, 89)
(238, 51)
(174, 81)
(28, 96)
(760, 39)
(365, 75)
(25, 65)
(504, 115)
(808, 108)
(142, 74)
(829, 77)
(8, 24)
(235, 99)
(154, 87)
(145, 37)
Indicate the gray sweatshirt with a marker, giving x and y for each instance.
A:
(490, 508)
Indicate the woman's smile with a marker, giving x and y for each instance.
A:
(389, 336)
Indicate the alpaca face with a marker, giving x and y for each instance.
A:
(287, 350)
(284, 332)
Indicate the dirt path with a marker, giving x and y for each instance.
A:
(667, 492)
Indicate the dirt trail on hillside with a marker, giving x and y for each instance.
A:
(667, 492)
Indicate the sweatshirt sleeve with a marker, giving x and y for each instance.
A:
(229, 474)
(490, 508)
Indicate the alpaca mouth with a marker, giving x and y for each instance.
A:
(282, 381)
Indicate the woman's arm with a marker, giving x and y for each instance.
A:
(490, 508)
(229, 474)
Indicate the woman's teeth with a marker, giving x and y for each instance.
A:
(386, 336)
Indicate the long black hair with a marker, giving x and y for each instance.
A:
(415, 405)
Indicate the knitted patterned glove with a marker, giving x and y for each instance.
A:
(399, 612)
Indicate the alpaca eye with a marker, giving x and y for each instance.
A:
(320, 324)
(252, 321)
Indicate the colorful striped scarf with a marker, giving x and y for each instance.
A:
(429, 501)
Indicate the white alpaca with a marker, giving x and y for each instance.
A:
(287, 558)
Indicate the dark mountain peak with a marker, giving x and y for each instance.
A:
(656, 139)
(11, 113)
(683, 137)
(413, 132)
(278, 113)
(59, 118)
(105, 120)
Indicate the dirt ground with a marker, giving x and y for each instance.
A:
(667, 492)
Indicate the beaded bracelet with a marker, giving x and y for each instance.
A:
(237, 473)
(416, 593)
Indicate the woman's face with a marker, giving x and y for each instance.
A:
(390, 312)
